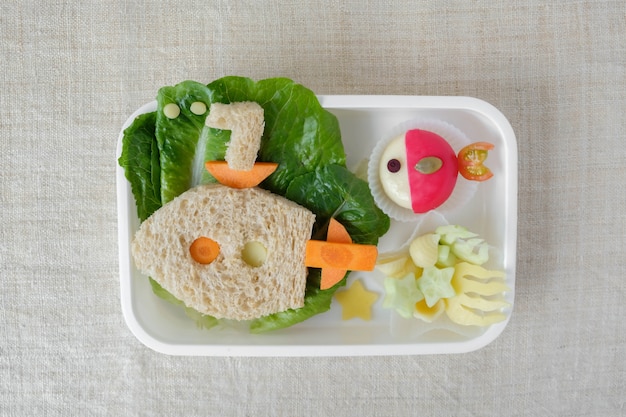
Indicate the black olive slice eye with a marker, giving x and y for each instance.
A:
(394, 165)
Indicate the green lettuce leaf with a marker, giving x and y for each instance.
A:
(178, 137)
(334, 191)
(140, 160)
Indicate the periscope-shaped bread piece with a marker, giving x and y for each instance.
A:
(229, 287)
(245, 120)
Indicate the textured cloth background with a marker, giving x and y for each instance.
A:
(71, 72)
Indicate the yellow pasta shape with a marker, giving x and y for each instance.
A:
(428, 314)
(473, 284)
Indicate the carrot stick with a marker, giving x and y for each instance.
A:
(240, 179)
(204, 250)
(349, 256)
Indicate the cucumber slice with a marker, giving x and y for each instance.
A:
(445, 257)
(451, 232)
(402, 295)
(435, 284)
(475, 251)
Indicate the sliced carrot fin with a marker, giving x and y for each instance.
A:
(337, 232)
(331, 276)
(240, 179)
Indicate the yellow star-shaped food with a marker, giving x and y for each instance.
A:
(356, 301)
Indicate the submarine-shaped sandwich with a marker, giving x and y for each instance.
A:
(233, 250)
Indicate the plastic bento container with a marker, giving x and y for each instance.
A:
(492, 213)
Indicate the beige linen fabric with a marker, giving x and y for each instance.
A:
(72, 72)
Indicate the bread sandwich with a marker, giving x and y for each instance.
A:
(230, 287)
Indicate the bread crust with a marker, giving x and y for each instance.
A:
(228, 287)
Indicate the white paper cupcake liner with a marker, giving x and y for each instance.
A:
(463, 191)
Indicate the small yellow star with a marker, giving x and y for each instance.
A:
(356, 301)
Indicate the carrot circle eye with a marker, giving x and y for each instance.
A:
(204, 250)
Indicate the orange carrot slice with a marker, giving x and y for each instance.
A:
(331, 276)
(204, 250)
(338, 234)
(348, 256)
(240, 179)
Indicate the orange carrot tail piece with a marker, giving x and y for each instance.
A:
(240, 179)
(338, 255)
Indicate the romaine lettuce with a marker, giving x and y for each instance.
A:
(334, 191)
(178, 137)
(140, 160)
